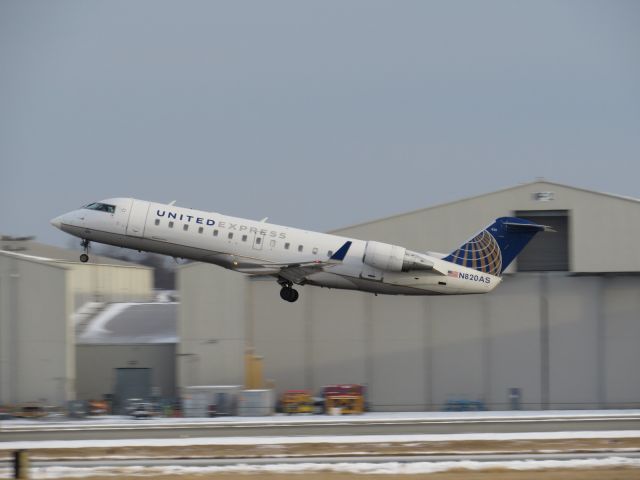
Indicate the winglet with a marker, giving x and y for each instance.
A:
(342, 252)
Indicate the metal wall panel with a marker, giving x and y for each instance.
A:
(211, 326)
(573, 341)
(279, 333)
(514, 342)
(37, 358)
(457, 348)
(622, 341)
(397, 353)
(339, 348)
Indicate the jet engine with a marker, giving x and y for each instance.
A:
(393, 258)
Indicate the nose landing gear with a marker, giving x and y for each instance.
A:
(84, 258)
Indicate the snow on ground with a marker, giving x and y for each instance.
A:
(357, 439)
(391, 468)
(508, 416)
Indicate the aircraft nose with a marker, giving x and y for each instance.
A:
(57, 222)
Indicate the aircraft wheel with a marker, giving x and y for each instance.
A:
(84, 258)
(289, 294)
(284, 293)
(294, 295)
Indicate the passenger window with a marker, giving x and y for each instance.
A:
(215, 232)
(330, 253)
(170, 224)
(157, 221)
(286, 246)
(185, 227)
(258, 240)
(230, 235)
(200, 230)
(315, 250)
(300, 247)
(244, 238)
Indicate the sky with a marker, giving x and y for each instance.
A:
(317, 114)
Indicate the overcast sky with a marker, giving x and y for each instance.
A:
(318, 114)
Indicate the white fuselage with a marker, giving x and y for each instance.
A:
(261, 248)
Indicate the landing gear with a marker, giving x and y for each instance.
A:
(84, 258)
(289, 294)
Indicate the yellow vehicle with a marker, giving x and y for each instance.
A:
(29, 410)
(297, 401)
(347, 404)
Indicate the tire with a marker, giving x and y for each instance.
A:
(294, 295)
(289, 294)
(84, 258)
(284, 293)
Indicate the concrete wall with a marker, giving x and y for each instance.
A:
(36, 358)
(97, 364)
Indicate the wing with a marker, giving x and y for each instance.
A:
(297, 272)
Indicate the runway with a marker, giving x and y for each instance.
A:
(209, 462)
(282, 425)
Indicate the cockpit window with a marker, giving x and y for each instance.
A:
(102, 207)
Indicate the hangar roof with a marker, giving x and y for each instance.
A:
(540, 182)
(132, 323)
(599, 236)
(27, 248)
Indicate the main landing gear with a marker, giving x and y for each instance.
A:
(287, 292)
(84, 258)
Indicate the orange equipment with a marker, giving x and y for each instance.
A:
(98, 407)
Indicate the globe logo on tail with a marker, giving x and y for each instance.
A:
(481, 253)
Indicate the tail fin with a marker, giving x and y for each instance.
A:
(494, 248)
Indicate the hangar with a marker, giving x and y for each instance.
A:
(45, 293)
(561, 332)
(127, 350)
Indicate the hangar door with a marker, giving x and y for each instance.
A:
(131, 383)
(547, 251)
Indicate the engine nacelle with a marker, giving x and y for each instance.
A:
(393, 258)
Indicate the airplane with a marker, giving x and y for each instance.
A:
(300, 257)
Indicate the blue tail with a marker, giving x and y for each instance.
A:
(494, 248)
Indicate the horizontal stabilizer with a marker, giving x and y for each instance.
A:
(527, 227)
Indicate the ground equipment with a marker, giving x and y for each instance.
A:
(296, 401)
